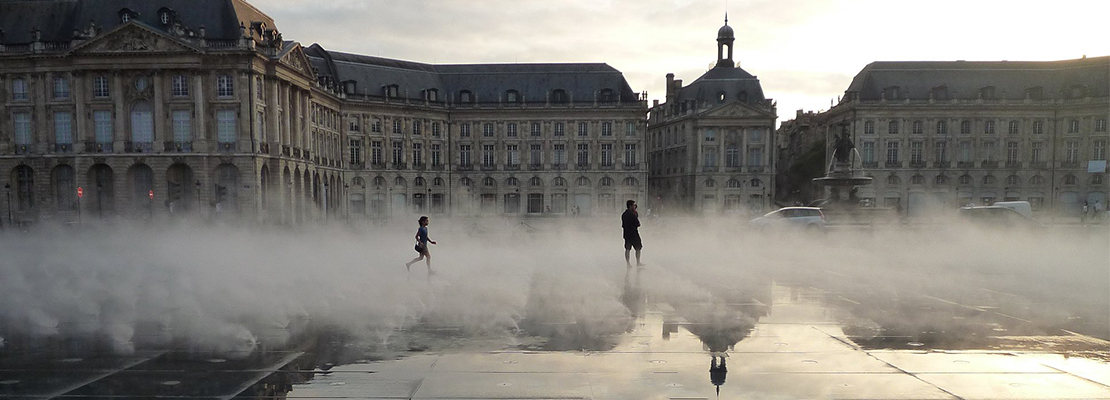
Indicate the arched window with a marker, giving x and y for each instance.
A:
(606, 182)
(582, 181)
(25, 187)
(535, 181)
(489, 182)
(710, 183)
(419, 181)
(512, 182)
(990, 180)
(358, 182)
(1036, 180)
(399, 181)
(437, 182)
(965, 179)
(559, 181)
(466, 182)
(732, 184)
(630, 181)
(559, 96)
(512, 96)
(940, 180)
(756, 183)
(607, 96)
(379, 181)
(1013, 180)
(917, 180)
(893, 180)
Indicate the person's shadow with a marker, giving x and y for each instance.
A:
(632, 296)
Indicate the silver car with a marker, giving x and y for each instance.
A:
(807, 218)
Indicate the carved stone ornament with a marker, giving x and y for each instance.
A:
(178, 159)
(140, 160)
(99, 160)
(298, 61)
(133, 39)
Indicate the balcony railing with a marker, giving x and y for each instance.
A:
(398, 166)
(608, 166)
(535, 167)
(63, 147)
(941, 164)
(358, 165)
(870, 164)
(709, 168)
(559, 167)
(631, 166)
(990, 164)
(286, 150)
(437, 167)
(419, 166)
(756, 168)
(307, 155)
(1038, 164)
(581, 167)
(489, 167)
(225, 147)
(917, 164)
(94, 147)
(465, 167)
(965, 164)
(1069, 164)
(178, 147)
(1013, 164)
(264, 148)
(892, 164)
(138, 147)
(296, 152)
(378, 165)
(512, 167)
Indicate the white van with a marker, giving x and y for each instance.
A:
(1022, 207)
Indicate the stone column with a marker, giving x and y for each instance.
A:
(80, 122)
(120, 115)
(201, 124)
(160, 134)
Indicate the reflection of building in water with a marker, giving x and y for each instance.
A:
(710, 142)
(201, 106)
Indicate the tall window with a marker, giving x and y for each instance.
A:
(732, 156)
(512, 155)
(892, 152)
(1014, 128)
(464, 129)
(416, 125)
(869, 127)
(61, 88)
(437, 155)
(710, 135)
(535, 154)
(1072, 152)
(868, 152)
(398, 152)
(606, 154)
(487, 130)
(1100, 125)
(464, 155)
(942, 127)
(100, 87)
(583, 129)
(258, 88)
(19, 89)
(376, 125)
(630, 129)
(940, 151)
(1073, 125)
(560, 129)
(892, 127)
(583, 154)
(1098, 151)
(182, 126)
(917, 151)
(64, 184)
(755, 156)
(397, 128)
(606, 129)
(965, 151)
(224, 86)
(102, 125)
(63, 128)
(709, 156)
(1012, 152)
(1038, 127)
(435, 129)
(535, 131)
(559, 154)
(226, 128)
(487, 155)
(988, 127)
(510, 129)
(1037, 152)
(376, 152)
(417, 153)
(989, 151)
(24, 187)
(918, 127)
(965, 127)
(356, 151)
(142, 122)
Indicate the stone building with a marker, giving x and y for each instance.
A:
(937, 135)
(711, 142)
(199, 109)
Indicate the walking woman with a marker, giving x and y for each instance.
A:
(422, 246)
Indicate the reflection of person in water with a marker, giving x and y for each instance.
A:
(718, 371)
(632, 295)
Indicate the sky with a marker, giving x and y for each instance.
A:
(805, 52)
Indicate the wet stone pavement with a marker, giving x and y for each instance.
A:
(776, 341)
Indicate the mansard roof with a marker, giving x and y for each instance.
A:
(723, 79)
(916, 80)
(58, 19)
(487, 82)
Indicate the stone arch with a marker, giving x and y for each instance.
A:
(101, 191)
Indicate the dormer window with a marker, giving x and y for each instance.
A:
(391, 91)
(720, 97)
(607, 96)
(350, 87)
(165, 16)
(126, 15)
(940, 93)
(1077, 91)
(512, 96)
(431, 94)
(986, 93)
(559, 96)
(891, 93)
(1034, 93)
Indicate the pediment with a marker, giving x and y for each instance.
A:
(132, 38)
(298, 61)
(736, 110)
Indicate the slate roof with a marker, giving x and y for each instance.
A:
(964, 79)
(57, 19)
(730, 80)
(487, 82)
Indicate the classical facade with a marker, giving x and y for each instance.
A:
(199, 109)
(937, 135)
(710, 144)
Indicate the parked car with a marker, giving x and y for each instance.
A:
(996, 217)
(809, 218)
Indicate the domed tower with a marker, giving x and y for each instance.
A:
(725, 37)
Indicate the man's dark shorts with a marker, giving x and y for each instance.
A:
(633, 241)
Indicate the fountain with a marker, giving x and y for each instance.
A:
(840, 175)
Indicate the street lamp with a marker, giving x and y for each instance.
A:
(326, 200)
(347, 201)
(8, 191)
(197, 200)
(99, 200)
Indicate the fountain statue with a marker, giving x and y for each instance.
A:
(840, 174)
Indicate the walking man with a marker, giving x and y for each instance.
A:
(630, 221)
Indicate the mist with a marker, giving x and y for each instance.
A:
(232, 290)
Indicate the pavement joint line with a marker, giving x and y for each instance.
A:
(263, 374)
(998, 292)
(848, 343)
(849, 300)
(1077, 376)
(1087, 337)
(954, 303)
(98, 377)
(914, 376)
(1013, 317)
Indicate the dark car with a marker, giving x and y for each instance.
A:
(996, 217)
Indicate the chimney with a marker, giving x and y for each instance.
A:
(670, 88)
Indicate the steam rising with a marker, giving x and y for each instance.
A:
(234, 290)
